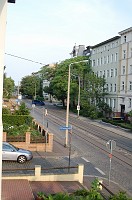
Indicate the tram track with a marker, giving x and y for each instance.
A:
(88, 132)
(59, 119)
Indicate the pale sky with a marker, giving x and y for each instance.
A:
(45, 31)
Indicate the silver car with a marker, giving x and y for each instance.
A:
(10, 152)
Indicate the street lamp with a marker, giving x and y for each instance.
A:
(78, 105)
(68, 99)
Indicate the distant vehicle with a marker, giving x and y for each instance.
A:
(10, 152)
(38, 103)
(58, 104)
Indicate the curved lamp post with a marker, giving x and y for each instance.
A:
(68, 99)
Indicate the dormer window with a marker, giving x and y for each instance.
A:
(124, 38)
(11, 1)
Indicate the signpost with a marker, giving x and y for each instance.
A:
(70, 139)
(111, 145)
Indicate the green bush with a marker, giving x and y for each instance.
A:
(6, 111)
(15, 130)
(17, 119)
(120, 196)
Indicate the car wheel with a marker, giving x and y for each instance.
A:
(21, 159)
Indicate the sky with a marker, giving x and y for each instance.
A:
(45, 31)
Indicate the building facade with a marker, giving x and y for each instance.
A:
(112, 60)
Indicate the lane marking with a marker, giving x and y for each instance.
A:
(85, 159)
(99, 170)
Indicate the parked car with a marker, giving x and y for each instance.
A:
(10, 152)
(38, 103)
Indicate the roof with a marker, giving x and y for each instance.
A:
(125, 31)
(106, 41)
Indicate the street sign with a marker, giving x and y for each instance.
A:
(78, 107)
(65, 128)
(111, 145)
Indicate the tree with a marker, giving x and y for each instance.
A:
(8, 87)
(31, 86)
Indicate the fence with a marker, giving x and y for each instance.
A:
(30, 143)
(39, 176)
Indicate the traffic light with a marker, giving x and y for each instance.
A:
(11, 1)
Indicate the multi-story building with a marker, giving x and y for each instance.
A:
(105, 64)
(112, 60)
(125, 72)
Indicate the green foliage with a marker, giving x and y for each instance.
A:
(84, 194)
(8, 87)
(6, 111)
(31, 86)
(41, 195)
(120, 196)
(130, 113)
(15, 130)
(22, 110)
(81, 192)
(17, 119)
(104, 107)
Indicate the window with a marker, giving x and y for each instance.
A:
(104, 74)
(111, 73)
(108, 74)
(130, 85)
(101, 61)
(104, 48)
(111, 87)
(130, 102)
(104, 60)
(123, 85)
(114, 103)
(97, 74)
(93, 51)
(123, 70)
(107, 87)
(98, 61)
(124, 54)
(111, 103)
(124, 38)
(107, 100)
(115, 87)
(108, 59)
(100, 73)
(131, 52)
(115, 72)
(112, 56)
(116, 57)
(93, 63)
(113, 45)
(130, 69)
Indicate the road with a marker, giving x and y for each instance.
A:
(89, 146)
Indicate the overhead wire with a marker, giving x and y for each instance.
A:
(24, 58)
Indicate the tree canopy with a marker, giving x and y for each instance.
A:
(31, 86)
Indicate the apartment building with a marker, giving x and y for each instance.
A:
(105, 64)
(112, 59)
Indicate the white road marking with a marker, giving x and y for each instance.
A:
(99, 170)
(85, 159)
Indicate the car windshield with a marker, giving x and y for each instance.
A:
(16, 148)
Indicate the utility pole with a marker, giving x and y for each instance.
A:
(68, 99)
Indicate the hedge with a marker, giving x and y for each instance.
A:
(17, 119)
